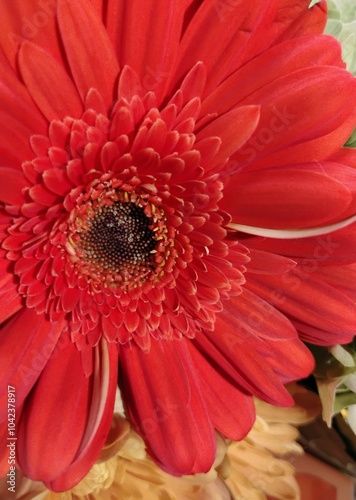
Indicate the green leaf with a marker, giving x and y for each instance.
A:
(343, 400)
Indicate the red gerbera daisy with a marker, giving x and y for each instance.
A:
(141, 147)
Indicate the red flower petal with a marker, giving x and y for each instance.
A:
(10, 300)
(330, 249)
(299, 113)
(29, 21)
(224, 401)
(152, 61)
(15, 145)
(11, 184)
(343, 278)
(298, 194)
(299, 19)
(301, 143)
(259, 318)
(49, 85)
(77, 20)
(296, 54)
(308, 300)
(255, 28)
(290, 360)
(215, 18)
(16, 102)
(63, 422)
(268, 263)
(100, 416)
(165, 405)
(319, 147)
(245, 368)
(254, 324)
(27, 341)
(268, 340)
(233, 128)
(77, 428)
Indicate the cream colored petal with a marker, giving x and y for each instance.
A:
(242, 489)
(119, 405)
(99, 478)
(342, 355)
(66, 495)
(280, 439)
(246, 456)
(216, 490)
(307, 408)
(221, 449)
(118, 435)
(352, 417)
(350, 382)
(272, 476)
(283, 489)
(134, 448)
(144, 470)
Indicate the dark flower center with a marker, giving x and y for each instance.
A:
(119, 237)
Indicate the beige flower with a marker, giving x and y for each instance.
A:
(256, 467)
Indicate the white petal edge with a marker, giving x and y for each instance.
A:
(351, 417)
(101, 386)
(291, 234)
(342, 355)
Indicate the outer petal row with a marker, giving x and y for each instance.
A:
(76, 406)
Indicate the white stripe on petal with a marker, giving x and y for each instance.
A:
(289, 234)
